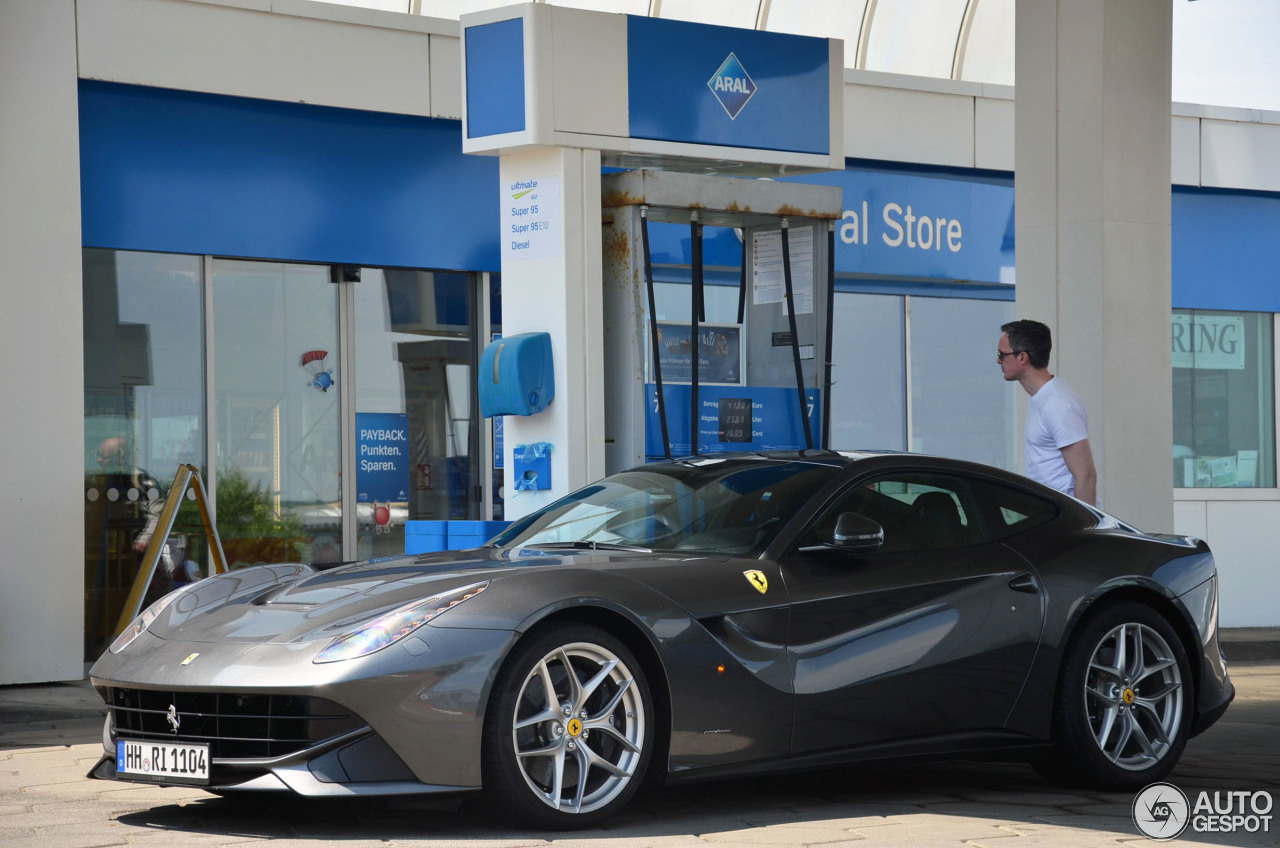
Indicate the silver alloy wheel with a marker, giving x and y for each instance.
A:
(1133, 696)
(579, 728)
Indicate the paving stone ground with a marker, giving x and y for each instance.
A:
(50, 736)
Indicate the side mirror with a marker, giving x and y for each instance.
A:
(856, 532)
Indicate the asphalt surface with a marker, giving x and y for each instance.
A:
(50, 736)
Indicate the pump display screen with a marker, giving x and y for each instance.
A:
(735, 419)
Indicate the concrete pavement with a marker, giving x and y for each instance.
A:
(49, 738)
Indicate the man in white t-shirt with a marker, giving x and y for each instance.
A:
(1057, 434)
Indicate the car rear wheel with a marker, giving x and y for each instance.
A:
(568, 733)
(1124, 700)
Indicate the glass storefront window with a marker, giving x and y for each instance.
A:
(960, 406)
(276, 363)
(1223, 406)
(414, 355)
(144, 413)
(868, 392)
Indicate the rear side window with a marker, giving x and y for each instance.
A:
(1010, 510)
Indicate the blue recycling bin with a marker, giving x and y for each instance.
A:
(426, 537)
(473, 534)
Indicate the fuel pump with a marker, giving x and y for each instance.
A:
(679, 388)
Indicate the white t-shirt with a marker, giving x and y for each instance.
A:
(1056, 419)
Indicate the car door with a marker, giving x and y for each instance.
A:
(932, 632)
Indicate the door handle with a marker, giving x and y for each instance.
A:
(1025, 583)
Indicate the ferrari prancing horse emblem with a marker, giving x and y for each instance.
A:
(757, 579)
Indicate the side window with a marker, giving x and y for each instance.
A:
(917, 511)
(1009, 510)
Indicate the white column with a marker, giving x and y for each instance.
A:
(41, 346)
(555, 287)
(1092, 140)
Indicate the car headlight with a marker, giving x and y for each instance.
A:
(386, 630)
(143, 621)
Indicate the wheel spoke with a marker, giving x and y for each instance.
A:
(1141, 735)
(1097, 695)
(548, 750)
(603, 726)
(1138, 658)
(1149, 709)
(1161, 693)
(575, 685)
(608, 708)
(1108, 722)
(557, 784)
(600, 762)
(589, 688)
(1154, 668)
(580, 755)
(548, 687)
(550, 714)
(1126, 729)
(1122, 646)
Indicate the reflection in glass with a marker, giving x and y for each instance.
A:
(413, 367)
(960, 405)
(868, 395)
(914, 37)
(278, 487)
(1223, 420)
(674, 302)
(144, 403)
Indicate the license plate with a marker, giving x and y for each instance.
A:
(162, 762)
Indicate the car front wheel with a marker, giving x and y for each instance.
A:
(1123, 707)
(568, 734)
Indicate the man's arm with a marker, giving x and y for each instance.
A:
(1079, 459)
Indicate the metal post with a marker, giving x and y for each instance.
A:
(831, 309)
(795, 341)
(695, 227)
(653, 333)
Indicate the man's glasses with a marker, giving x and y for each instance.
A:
(1001, 354)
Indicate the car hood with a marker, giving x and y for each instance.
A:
(292, 603)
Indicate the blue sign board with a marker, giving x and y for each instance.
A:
(382, 457)
(495, 78)
(908, 225)
(703, 84)
(734, 418)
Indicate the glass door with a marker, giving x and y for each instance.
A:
(416, 451)
(276, 360)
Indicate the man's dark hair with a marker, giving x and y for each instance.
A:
(1033, 338)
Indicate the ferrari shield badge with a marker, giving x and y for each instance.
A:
(757, 579)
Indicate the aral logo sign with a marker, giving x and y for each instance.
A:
(732, 86)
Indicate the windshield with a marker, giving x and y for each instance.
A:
(719, 506)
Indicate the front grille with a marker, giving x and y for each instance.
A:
(236, 726)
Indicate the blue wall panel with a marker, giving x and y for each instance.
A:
(495, 78)
(1226, 251)
(193, 173)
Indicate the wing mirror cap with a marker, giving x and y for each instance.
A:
(856, 532)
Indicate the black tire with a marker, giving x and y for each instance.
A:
(596, 753)
(1123, 709)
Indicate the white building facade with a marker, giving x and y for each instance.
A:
(243, 235)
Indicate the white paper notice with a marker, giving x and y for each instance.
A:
(532, 223)
(767, 283)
